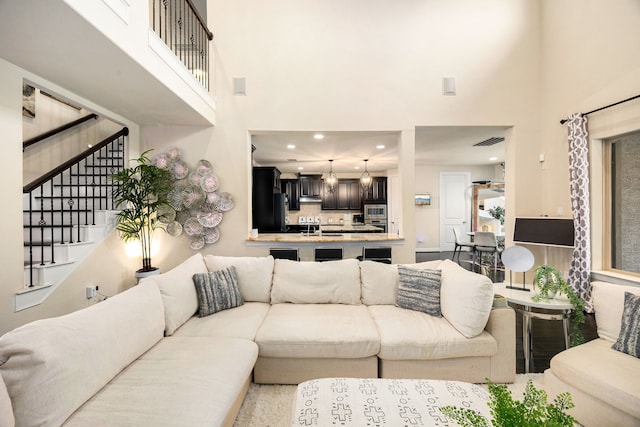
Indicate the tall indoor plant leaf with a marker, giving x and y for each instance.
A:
(140, 191)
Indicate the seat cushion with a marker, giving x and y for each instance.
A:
(239, 322)
(53, 366)
(595, 368)
(412, 335)
(319, 331)
(178, 291)
(330, 282)
(179, 382)
(254, 274)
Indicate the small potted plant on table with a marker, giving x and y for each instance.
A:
(548, 283)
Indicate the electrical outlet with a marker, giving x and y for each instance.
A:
(91, 291)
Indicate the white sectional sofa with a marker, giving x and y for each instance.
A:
(145, 358)
(604, 383)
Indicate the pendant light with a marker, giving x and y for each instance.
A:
(331, 179)
(365, 178)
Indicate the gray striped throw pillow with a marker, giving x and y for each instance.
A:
(217, 290)
(629, 338)
(419, 290)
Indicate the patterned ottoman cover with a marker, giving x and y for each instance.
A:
(383, 402)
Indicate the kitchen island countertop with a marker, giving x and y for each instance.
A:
(326, 237)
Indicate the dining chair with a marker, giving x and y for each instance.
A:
(459, 245)
(485, 242)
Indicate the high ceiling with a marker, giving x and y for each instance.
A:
(435, 145)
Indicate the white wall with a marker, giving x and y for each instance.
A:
(50, 114)
(427, 218)
(589, 56)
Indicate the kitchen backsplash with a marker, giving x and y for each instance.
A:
(314, 210)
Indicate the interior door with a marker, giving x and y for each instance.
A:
(454, 207)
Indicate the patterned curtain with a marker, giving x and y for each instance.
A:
(579, 272)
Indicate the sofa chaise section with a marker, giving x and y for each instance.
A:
(195, 381)
(111, 363)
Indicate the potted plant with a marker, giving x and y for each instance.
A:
(533, 411)
(547, 283)
(140, 191)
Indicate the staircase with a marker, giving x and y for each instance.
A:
(66, 213)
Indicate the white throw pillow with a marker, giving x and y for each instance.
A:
(178, 292)
(608, 304)
(466, 298)
(254, 274)
(53, 366)
(6, 411)
(329, 282)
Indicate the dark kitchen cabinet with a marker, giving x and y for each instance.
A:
(349, 195)
(378, 191)
(329, 198)
(292, 188)
(345, 196)
(311, 186)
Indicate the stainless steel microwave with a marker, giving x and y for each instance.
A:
(375, 211)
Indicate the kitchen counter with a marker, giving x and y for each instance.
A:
(351, 228)
(326, 237)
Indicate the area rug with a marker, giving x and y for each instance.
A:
(270, 405)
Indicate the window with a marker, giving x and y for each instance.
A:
(623, 195)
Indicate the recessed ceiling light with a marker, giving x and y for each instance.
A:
(493, 159)
(300, 168)
(291, 146)
(318, 136)
(356, 167)
(380, 147)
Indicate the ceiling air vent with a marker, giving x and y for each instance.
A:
(488, 142)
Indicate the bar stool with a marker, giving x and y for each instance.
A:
(378, 254)
(285, 253)
(327, 254)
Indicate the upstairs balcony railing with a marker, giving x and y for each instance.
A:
(183, 30)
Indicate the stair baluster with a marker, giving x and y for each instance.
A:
(89, 170)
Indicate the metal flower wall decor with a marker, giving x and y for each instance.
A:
(195, 205)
